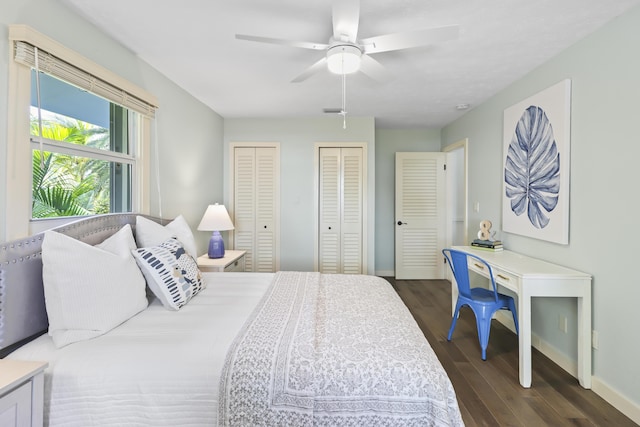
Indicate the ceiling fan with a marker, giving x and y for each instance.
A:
(346, 54)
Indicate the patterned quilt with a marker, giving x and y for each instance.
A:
(334, 350)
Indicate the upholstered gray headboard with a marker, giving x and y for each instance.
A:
(23, 315)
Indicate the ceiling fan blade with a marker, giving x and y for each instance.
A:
(318, 66)
(346, 16)
(332, 111)
(374, 69)
(409, 39)
(304, 45)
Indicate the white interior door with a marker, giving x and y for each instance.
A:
(266, 225)
(456, 195)
(255, 206)
(351, 216)
(244, 203)
(340, 228)
(420, 215)
(330, 208)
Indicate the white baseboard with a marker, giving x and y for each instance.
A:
(615, 398)
(621, 402)
(557, 357)
(385, 273)
(544, 347)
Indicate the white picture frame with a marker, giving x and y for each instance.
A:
(536, 165)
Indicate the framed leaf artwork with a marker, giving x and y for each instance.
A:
(535, 196)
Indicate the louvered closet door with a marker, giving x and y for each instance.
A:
(265, 254)
(420, 215)
(255, 186)
(340, 227)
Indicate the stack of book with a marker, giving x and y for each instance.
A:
(487, 245)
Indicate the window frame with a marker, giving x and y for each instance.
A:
(43, 144)
(18, 222)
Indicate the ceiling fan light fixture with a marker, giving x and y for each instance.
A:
(343, 59)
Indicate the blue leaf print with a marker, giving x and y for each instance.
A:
(532, 168)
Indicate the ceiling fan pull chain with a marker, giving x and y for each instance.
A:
(344, 99)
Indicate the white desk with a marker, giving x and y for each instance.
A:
(531, 277)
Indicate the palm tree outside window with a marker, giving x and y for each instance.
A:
(83, 163)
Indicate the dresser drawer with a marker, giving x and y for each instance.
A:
(232, 261)
(501, 277)
(21, 392)
(478, 267)
(237, 266)
(15, 407)
(504, 278)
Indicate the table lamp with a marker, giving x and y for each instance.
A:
(216, 219)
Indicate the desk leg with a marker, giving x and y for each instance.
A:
(584, 340)
(524, 338)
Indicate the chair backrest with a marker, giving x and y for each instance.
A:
(458, 261)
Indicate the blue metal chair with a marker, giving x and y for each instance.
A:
(483, 302)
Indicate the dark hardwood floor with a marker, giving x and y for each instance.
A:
(489, 393)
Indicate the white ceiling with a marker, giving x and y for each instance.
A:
(193, 43)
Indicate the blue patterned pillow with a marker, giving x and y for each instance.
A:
(172, 274)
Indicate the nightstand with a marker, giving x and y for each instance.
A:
(232, 261)
(21, 392)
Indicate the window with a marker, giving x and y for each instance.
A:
(84, 162)
(93, 156)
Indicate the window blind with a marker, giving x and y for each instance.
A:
(47, 63)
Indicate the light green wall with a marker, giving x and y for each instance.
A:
(388, 142)
(297, 138)
(605, 73)
(189, 134)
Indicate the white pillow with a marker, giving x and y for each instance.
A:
(90, 290)
(150, 233)
(172, 274)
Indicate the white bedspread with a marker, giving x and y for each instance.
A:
(164, 368)
(130, 376)
(334, 350)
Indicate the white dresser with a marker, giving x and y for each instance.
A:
(232, 261)
(21, 393)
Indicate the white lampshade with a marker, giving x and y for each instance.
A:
(343, 59)
(216, 218)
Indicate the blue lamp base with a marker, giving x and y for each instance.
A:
(216, 245)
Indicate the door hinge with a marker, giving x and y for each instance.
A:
(445, 166)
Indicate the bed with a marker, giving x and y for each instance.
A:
(286, 348)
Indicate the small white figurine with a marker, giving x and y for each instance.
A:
(485, 232)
